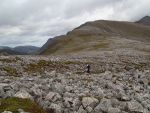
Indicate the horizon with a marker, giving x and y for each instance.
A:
(24, 23)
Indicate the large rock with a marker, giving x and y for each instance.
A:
(136, 107)
(81, 110)
(69, 88)
(114, 110)
(23, 94)
(76, 104)
(36, 92)
(146, 111)
(108, 75)
(6, 90)
(99, 92)
(103, 106)
(68, 102)
(5, 87)
(2, 93)
(56, 107)
(89, 109)
(89, 101)
(58, 87)
(52, 96)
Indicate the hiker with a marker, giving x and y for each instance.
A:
(88, 68)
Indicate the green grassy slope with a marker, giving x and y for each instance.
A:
(95, 36)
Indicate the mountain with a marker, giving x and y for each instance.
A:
(4, 47)
(9, 51)
(45, 46)
(99, 36)
(145, 21)
(26, 49)
(19, 50)
(4, 50)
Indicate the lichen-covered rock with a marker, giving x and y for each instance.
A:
(103, 105)
(134, 106)
(68, 102)
(81, 110)
(58, 87)
(23, 94)
(89, 101)
(52, 96)
(114, 110)
(57, 108)
(6, 90)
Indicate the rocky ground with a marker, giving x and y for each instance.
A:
(118, 82)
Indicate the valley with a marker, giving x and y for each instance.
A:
(56, 79)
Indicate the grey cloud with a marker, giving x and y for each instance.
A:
(87, 6)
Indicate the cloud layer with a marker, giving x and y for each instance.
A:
(32, 22)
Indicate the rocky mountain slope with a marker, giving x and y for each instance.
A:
(100, 36)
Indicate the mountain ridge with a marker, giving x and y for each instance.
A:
(18, 50)
(145, 21)
(8, 51)
(100, 34)
(26, 49)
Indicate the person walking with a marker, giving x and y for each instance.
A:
(88, 68)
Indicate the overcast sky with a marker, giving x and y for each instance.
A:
(32, 22)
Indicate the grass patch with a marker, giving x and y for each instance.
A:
(101, 45)
(11, 71)
(43, 65)
(37, 67)
(74, 44)
(13, 104)
(71, 62)
(132, 65)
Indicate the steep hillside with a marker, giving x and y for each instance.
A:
(145, 21)
(46, 45)
(101, 36)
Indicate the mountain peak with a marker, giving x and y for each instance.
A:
(145, 21)
(146, 17)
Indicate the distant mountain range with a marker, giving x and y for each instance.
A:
(19, 50)
(101, 35)
(26, 49)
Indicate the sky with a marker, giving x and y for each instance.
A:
(33, 22)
